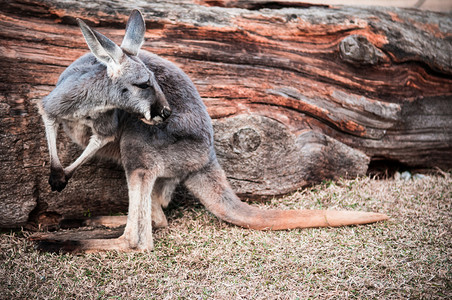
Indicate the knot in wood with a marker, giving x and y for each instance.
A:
(246, 140)
(357, 50)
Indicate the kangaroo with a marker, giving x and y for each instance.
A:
(144, 112)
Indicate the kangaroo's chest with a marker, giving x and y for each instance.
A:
(103, 125)
(78, 130)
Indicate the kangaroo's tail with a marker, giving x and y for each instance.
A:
(211, 187)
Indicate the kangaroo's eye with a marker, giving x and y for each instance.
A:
(143, 85)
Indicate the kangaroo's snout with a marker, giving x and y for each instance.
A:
(159, 112)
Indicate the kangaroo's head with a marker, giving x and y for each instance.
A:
(131, 86)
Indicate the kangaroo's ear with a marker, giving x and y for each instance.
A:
(135, 30)
(105, 50)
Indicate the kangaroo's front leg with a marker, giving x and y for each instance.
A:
(138, 231)
(95, 143)
(57, 179)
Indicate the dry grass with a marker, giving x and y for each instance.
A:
(199, 257)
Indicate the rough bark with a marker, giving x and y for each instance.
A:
(297, 94)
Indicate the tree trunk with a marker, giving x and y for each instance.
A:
(297, 93)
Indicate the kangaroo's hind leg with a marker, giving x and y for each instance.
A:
(58, 178)
(138, 230)
(137, 234)
(161, 197)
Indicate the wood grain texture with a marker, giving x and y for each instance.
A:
(297, 94)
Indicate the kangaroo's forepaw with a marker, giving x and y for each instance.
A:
(58, 180)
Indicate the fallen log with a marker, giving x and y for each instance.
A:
(297, 93)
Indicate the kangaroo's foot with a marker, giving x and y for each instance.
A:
(87, 246)
(88, 242)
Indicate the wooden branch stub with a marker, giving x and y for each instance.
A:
(357, 50)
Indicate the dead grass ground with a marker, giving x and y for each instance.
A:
(200, 257)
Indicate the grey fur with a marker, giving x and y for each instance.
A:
(157, 157)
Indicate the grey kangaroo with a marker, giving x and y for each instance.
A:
(144, 112)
